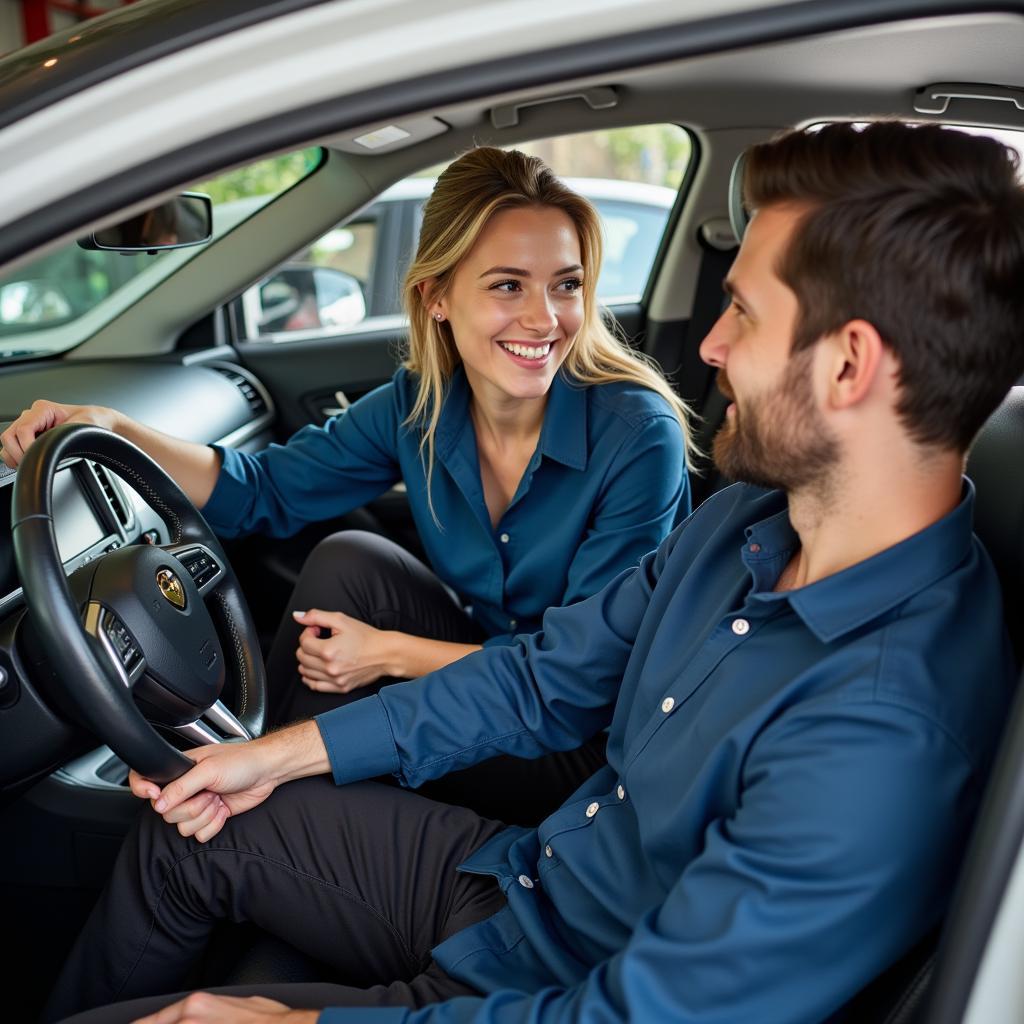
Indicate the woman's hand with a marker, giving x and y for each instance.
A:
(354, 655)
(205, 1008)
(42, 416)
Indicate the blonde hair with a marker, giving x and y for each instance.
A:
(469, 192)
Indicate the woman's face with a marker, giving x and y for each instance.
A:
(516, 302)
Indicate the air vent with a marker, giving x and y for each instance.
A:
(114, 497)
(257, 403)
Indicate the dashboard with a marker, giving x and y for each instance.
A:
(92, 515)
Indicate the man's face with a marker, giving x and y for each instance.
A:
(774, 433)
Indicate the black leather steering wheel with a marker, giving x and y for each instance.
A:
(136, 643)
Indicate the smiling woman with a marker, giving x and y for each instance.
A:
(541, 457)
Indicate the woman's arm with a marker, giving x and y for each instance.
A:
(415, 656)
(194, 467)
(357, 654)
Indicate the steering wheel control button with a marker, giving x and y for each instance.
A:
(121, 640)
(200, 565)
(740, 627)
(170, 586)
(117, 641)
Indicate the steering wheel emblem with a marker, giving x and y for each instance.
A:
(170, 586)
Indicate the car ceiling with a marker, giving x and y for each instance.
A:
(728, 99)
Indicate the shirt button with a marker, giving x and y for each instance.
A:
(620, 793)
(667, 705)
(548, 852)
(505, 538)
(740, 626)
(593, 808)
(526, 881)
(512, 623)
(754, 548)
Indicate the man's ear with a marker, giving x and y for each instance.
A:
(856, 357)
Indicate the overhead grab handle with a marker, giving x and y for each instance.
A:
(601, 97)
(934, 99)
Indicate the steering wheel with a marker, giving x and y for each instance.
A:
(136, 644)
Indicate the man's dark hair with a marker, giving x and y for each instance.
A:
(920, 231)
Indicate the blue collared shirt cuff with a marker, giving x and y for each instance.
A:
(359, 741)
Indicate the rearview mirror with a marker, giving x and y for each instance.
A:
(185, 220)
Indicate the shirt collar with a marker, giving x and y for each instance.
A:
(454, 418)
(563, 435)
(849, 599)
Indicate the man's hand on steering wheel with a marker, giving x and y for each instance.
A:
(232, 778)
(227, 779)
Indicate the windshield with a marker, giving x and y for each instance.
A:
(55, 302)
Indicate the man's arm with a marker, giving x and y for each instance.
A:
(230, 778)
(549, 691)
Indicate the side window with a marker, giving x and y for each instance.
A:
(350, 278)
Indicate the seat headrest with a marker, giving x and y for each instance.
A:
(995, 466)
(739, 218)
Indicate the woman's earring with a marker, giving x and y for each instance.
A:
(439, 317)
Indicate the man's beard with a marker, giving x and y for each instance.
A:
(778, 439)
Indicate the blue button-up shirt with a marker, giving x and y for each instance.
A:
(605, 485)
(791, 776)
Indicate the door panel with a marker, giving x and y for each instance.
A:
(303, 377)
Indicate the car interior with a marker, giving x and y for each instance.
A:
(203, 342)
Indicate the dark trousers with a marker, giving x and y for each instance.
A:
(360, 877)
(378, 582)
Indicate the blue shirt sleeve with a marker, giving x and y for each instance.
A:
(789, 902)
(321, 472)
(548, 691)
